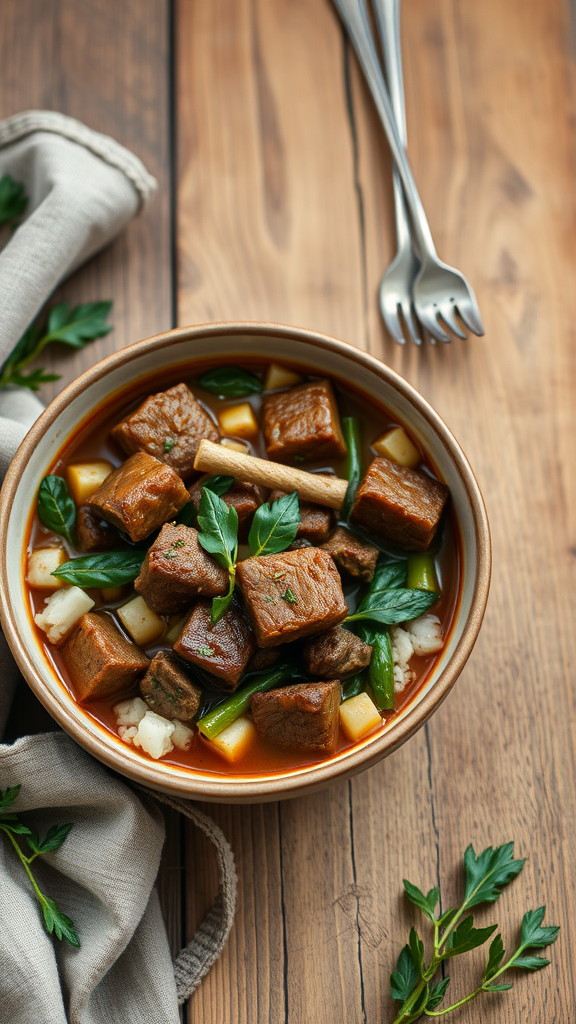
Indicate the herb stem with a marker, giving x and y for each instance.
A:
(25, 861)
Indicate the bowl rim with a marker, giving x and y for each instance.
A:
(251, 789)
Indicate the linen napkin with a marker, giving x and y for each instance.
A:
(84, 188)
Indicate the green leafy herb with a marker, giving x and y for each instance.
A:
(299, 458)
(205, 651)
(396, 605)
(109, 569)
(54, 921)
(219, 537)
(168, 444)
(219, 484)
(84, 323)
(173, 549)
(411, 984)
(56, 507)
(186, 515)
(289, 596)
(13, 199)
(230, 382)
(275, 525)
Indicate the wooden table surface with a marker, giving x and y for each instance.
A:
(275, 204)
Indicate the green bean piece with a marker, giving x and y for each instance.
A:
(422, 573)
(353, 686)
(351, 428)
(230, 709)
(381, 671)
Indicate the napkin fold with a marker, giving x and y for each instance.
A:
(84, 188)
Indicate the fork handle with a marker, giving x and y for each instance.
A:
(354, 14)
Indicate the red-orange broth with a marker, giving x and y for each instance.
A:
(93, 441)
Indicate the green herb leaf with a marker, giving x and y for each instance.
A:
(109, 569)
(219, 484)
(219, 528)
(532, 935)
(11, 824)
(13, 199)
(497, 988)
(289, 596)
(437, 994)
(405, 978)
(53, 839)
(427, 904)
(466, 937)
(186, 515)
(390, 606)
(275, 525)
(7, 797)
(495, 956)
(58, 923)
(488, 873)
(230, 382)
(220, 604)
(387, 576)
(416, 950)
(168, 444)
(531, 963)
(56, 508)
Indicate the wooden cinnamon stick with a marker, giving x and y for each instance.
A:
(324, 490)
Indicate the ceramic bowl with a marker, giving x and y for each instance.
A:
(152, 360)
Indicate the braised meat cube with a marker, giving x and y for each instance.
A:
(176, 570)
(337, 653)
(99, 659)
(139, 496)
(303, 422)
(352, 555)
(304, 716)
(399, 504)
(315, 520)
(245, 497)
(224, 648)
(169, 426)
(291, 595)
(94, 533)
(167, 689)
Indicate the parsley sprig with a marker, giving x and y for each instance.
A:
(69, 327)
(13, 199)
(454, 933)
(55, 922)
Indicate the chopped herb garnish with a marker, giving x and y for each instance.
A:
(171, 553)
(298, 458)
(269, 600)
(205, 651)
(290, 596)
(279, 575)
(168, 444)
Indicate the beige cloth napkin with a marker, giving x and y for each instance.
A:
(84, 188)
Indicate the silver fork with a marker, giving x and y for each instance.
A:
(398, 279)
(438, 290)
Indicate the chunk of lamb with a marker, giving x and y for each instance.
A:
(139, 496)
(99, 659)
(315, 520)
(303, 423)
(291, 595)
(352, 555)
(177, 570)
(337, 653)
(304, 716)
(167, 689)
(223, 649)
(246, 498)
(94, 533)
(169, 426)
(399, 504)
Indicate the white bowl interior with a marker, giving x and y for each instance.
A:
(153, 361)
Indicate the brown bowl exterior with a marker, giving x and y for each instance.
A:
(238, 790)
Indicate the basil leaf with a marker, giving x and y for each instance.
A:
(56, 508)
(230, 382)
(109, 569)
(390, 606)
(218, 528)
(218, 484)
(13, 199)
(275, 525)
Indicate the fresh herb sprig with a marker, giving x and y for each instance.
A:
(109, 569)
(275, 525)
(230, 382)
(218, 536)
(56, 507)
(389, 600)
(13, 199)
(74, 328)
(55, 922)
(411, 984)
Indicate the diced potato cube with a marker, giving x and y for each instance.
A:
(182, 736)
(111, 593)
(236, 446)
(84, 478)
(141, 622)
(235, 740)
(154, 735)
(359, 716)
(63, 609)
(239, 421)
(279, 377)
(41, 563)
(130, 712)
(397, 446)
